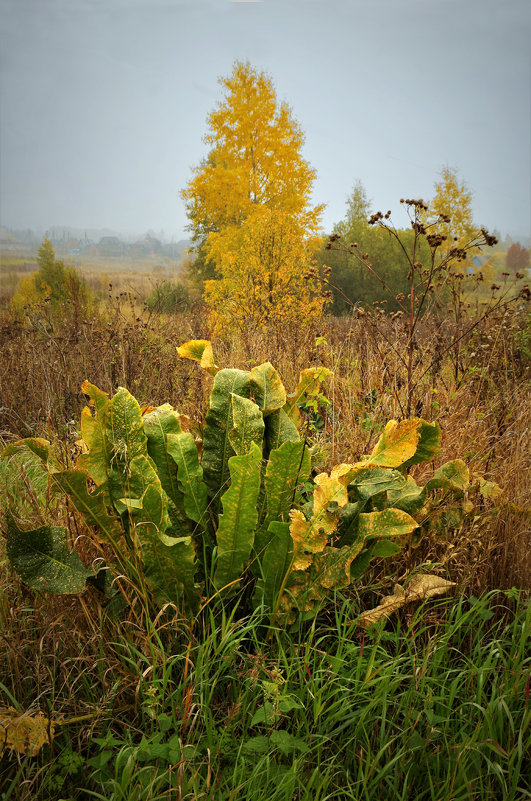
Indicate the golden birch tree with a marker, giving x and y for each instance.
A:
(249, 208)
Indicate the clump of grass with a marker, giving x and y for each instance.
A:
(435, 706)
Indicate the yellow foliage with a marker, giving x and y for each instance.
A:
(262, 263)
(29, 293)
(255, 158)
(453, 198)
(249, 205)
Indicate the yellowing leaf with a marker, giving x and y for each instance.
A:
(489, 489)
(267, 388)
(419, 588)
(37, 445)
(397, 444)
(199, 350)
(311, 536)
(26, 733)
(388, 523)
(308, 538)
(453, 475)
(328, 490)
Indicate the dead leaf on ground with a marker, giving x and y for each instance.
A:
(427, 585)
(24, 733)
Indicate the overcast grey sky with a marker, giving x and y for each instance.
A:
(103, 102)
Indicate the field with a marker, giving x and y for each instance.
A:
(131, 699)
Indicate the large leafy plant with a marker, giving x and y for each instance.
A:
(232, 510)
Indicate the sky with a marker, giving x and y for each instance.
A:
(103, 103)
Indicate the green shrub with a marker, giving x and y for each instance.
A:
(233, 512)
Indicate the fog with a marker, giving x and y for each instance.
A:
(103, 102)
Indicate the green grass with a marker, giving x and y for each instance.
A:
(436, 708)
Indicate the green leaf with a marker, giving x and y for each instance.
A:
(169, 562)
(235, 534)
(42, 559)
(125, 430)
(158, 424)
(429, 444)
(287, 743)
(257, 745)
(279, 429)
(384, 548)
(388, 523)
(37, 445)
(348, 522)
(453, 475)
(309, 383)
(265, 715)
(276, 562)
(130, 494)
(248, 425)
(217, 449)
(372, 480)
(267, 388)
(410, 497)
(190, 474)
(91, 504)
(360, 564)
(288, 466)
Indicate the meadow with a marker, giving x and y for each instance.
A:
(122, 697)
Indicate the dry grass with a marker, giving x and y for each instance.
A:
(483, 412)
(64, 655)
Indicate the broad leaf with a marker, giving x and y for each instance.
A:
(97, 461)
(397, 444)
(248, 425)
(26, 733)
(429, 444)
(169, 567)
(190, 474)
(237, 524)
(125, 431)
(388, 523)
(158, 424)
(42, 559)
(279, 429)
(418, 589)
(91, 504)
(217, 449)
(276, 563)
(37, 445)
(489, 489)
(310, 536)
(287, 467)
(199, 350)
(369, 481)
(453, 475)
(409, 497)
(267, 388)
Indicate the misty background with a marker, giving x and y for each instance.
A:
(104, 103)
